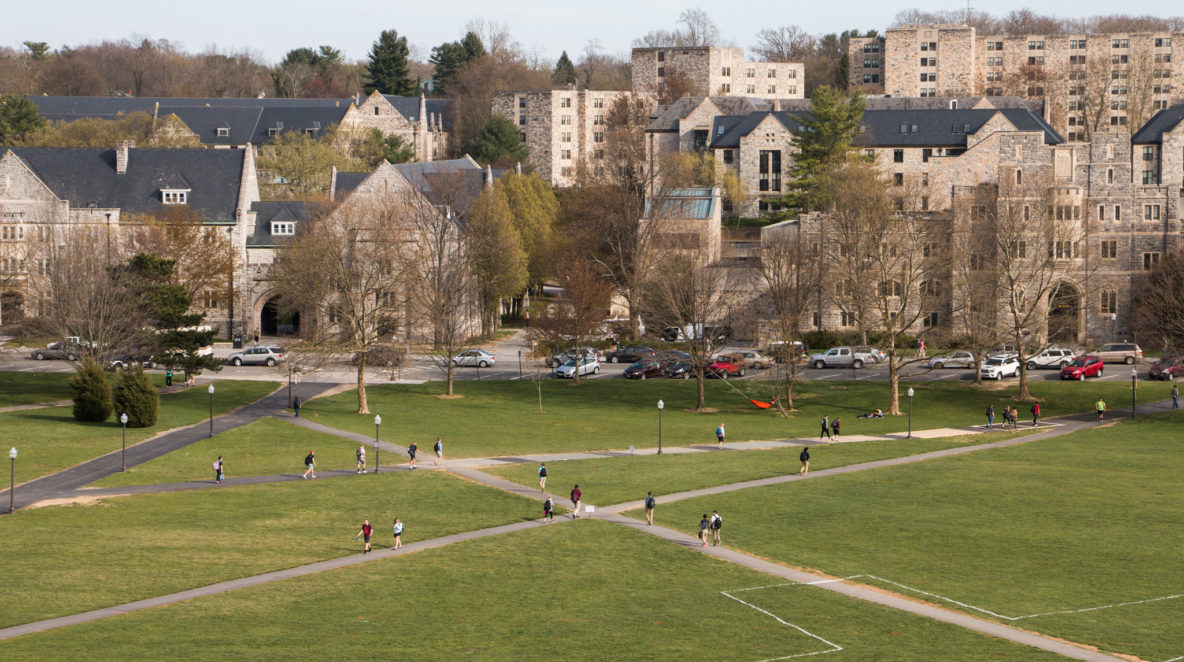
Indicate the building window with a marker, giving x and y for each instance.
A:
(283, 228)
(1109, 302)
(598, 136)
(1149, 177)
(223, 132)
(1110, 250)
(1150, 261)
(522, 120)
(725, 71)
(770, 170)
(174, 197)
(1101, 212)
(750, 73)
(729, 156)
(725, 88)
(1019, 177)
(661, 71)
(565, 120)
(1150, 212)
(1148, 153)
(929, 320)
(898, 154)
(925, 179)
(846, 319)
(598, 103)
(1018, 250)
(898, 179)
(522, 103)
(661, 56)
(565, 154)
(1118, 212)
(772, 89)
(565, 102)
(1120, 43)
(565, 137)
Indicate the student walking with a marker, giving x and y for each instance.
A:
(361, 455)
(704, 527)
(717, 523)
(549, 509)
(719, 436)
(825, 428)
(920, 348)
(1035, 413)
(1100, 406)
(411, 451)
(575, 501)
(990, 417)
(1175, 397)
(310, 464)
(804, 456)
(218, 470)
(834, 427)
(168, 377)
(439, 448)
(296, 406)
(542, 476)
(649, 508)
(398, 530)
(366, 531)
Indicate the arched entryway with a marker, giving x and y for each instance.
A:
(275, 321)
(1064, 314)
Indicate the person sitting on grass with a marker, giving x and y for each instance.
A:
(878, 413)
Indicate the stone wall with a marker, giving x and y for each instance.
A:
(717, 71)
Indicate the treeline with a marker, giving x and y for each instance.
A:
(1022, 22)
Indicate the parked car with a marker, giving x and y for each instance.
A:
(573, 353)
(1053, 357)
(268, 355)
(679, 370)
(754, 359)
(57, 350)
(998, 367)
(674, 355)
(781, 350)
(877, 355)
(1082, 367)
(1003, 350)
(840, 357)
(1119, 352)
(1168, 367)
(960, 359)
(644, 369)
(631, 353)
(129, 361)
(474, 357)
(727, 365)
(582, 366)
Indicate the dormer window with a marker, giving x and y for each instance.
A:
(283, 228)
(174, 196)
(223, 132)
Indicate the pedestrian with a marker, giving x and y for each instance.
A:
(296, 406)
(575, 501)
(190, 378)
(168, 377)
(719, 436)
(361, 455)
(398, 529)
(439, 448)
(542, 476)
(411, 451)
(990, 416)
(804, 456)
(218, 470)
(256, 336)
(704, 526)
(649, 508)
(825, 428)
(1100, 405)
(549, 509)
(920, 348)
(717, 523)
(310, 464)
(526, 318)
(1035, 413)
(834, 427)
(1175, 397)
(366, 531)
(1009, 416)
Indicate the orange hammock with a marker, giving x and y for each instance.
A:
(762, 405)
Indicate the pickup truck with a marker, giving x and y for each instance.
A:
(841, 357)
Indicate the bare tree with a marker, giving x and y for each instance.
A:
(975, 292)
(205, 258)
(1158, 302)
(788, 278)
(579, 309)
(788, 43)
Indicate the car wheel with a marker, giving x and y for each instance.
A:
(642, 376)
(723, 375)
(270, 362)
(39, 356)
(686, 375)
(1170, 376)
(1130, 360)
(596, 370)
(857, 364)
(740, 372)
(1064, 363)
(939, 365)
(71, 357)
(1031, 365)
(236, 361)
(612, 359)
(555, 364)
(1081, 377)
(820, 364)
(483, 364)
(1100, 373)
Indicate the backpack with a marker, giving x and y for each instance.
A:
(437, 447)
(411, 451)
(649, 502)
(214, 466)
(308, 460)
(542, 472)
(717, 523)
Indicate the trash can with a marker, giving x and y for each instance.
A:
(238, 341)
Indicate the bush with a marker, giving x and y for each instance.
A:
(136, 395)
(92, 392)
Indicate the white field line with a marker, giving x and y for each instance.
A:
(833, 646)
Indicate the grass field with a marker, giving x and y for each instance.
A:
(620, 479)
(266, 447)
(576, 591)
(50, 440)
(66, 559)
(26, 388)
(1069, 523)
(499, 418)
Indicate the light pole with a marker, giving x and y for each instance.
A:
(1134, 386)
(123, 422)
(12, 480)
(910, 414)
(211, 390)
(377, 424)
(661, 406)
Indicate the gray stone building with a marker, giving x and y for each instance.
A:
(716, 71)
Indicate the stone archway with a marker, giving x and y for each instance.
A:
(275, 321)
(1064, 314)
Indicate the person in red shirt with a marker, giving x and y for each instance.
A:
(1035, 413)
(366, 531)
(575, 501)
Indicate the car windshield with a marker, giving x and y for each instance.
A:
(570, 363)
(1077, 363)
(994, 362)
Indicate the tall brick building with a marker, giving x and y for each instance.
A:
(717, 71)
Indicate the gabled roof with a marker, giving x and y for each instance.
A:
(727, 130)
(456, 183)
(284, 211)
(936, 127)
(205, 122)
(87, 175)
(667, 117)
(408, 107)
(1165, 120)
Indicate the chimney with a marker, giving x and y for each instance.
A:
(776, 105)
(488, 177)
(518, 168)
(121, 154)
(332, 183)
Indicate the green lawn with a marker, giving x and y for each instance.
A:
(63, 560)
(266, 447)
(499, 417)
(50, 440)
(1068, 523)
(620, 479)
(26, 388)
(575, 591)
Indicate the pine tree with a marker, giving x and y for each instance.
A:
(92, 392)
(387, 70)
(565, 71)
(136, 396)
(451, 57)
(18, 116)
(497, 139)
(828, 131)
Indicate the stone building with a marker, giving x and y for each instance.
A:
(716, 71)
(1090, 83)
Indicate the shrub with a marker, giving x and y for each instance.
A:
(92, 392)
(136, 395)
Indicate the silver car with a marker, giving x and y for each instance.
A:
(588, 366)
(263, 355)
(1053, 357)
(474, 358)
(952, 360)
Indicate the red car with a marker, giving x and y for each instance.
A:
(726, 366)
(1081, 367)
(1169, 368)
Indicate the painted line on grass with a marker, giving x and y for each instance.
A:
(833, 646)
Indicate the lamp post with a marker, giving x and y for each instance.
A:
(123, 422)
(12, 480)
(661, 406)
(1134, 386)
(211, 391)
(377, 424)
(910, 414)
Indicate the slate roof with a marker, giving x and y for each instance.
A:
(409, 107)
(666, 117)
(935, 128)
(727, 130)
(87, 175)
(268, 211)
(1164, 120)
(456, 182)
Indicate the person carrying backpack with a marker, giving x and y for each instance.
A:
(804, 456)
(218, 476)
(361, 455)
(310, 462)
(549, 509)
(834, 427)
(649, 508)
(411, 451)
(704, 526)
(825, 428)
(576, 494)
(439, 448)
(542, 476)
(717, 523)
(1035, 413)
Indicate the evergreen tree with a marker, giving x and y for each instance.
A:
(828, 131)
(136, 396)
(92, 392)
(451, 57)
(565, 71)
(387, 69)
(18, 116)
(499, 139)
